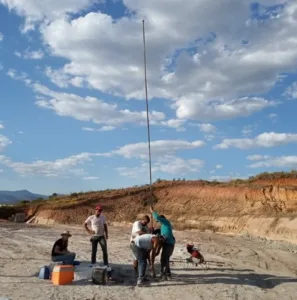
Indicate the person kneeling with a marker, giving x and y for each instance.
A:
(60, 251)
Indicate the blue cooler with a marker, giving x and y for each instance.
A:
(44, 273)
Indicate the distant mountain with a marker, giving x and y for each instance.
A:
(12, 197)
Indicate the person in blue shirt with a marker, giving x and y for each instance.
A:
(168, 245)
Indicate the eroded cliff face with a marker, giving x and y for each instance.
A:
(260, 208)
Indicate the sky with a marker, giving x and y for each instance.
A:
(222, 88)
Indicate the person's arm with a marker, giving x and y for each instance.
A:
(105, 229)
(140, 230)
(157, 217)
(87, 222)
(58, 251)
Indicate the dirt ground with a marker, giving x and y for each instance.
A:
(240, 267)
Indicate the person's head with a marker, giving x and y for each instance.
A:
(98, 210)
(65, 235)
(145, 220)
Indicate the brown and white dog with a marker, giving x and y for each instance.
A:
(157, 244)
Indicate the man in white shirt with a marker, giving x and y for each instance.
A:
(99, 234)
(139, 227)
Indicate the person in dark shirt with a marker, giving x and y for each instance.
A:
(60, 251)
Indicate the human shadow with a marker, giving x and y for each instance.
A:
(122, 274)
(264, 281)
(213, 269)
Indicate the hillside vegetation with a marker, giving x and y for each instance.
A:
(257, 205)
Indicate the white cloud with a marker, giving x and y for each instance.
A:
(265, 140)
(90, 108)
(193, 107)
(177, 165)
(201, 73)
(257, 157)
(13, 74)
(58, 167)
(219, 166)
(174, 123)
(205, 85)
(225, 178)
(61, 79)
(164, 159)
(1, 36)
(47, 10)
(159, 148)
(91, 178)
(1, 126)
(170, 165)
(288, 162)
(291, 91)
(103, 128)
(4, 142)
(36, 55)
(220, 178)
(206, 127)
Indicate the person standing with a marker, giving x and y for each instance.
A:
(60, 252)
(99, 234)
(139, 227)
(168, 245)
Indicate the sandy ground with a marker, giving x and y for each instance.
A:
(240, 267)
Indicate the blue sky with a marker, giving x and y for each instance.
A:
(72, 110)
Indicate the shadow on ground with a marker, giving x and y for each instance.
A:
(264, 281)
(124, 275)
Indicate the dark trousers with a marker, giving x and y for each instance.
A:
(167, 251)
(95, 240)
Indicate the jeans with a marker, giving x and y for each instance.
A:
(102, 241)
(65, 258)
(167, 251)
(141, 255)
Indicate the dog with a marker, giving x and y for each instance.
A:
(196, 256)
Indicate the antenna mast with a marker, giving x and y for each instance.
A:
(147, 115)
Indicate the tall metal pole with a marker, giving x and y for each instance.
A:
(147, 117)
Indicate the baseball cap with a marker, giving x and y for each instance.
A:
(98, 207)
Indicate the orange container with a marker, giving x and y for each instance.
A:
(62, 274)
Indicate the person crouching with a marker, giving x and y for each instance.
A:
(60, 251)
(147, 247)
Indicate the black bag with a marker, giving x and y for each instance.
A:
(99, 275)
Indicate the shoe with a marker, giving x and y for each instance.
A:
(140, 282)
(164, 277)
